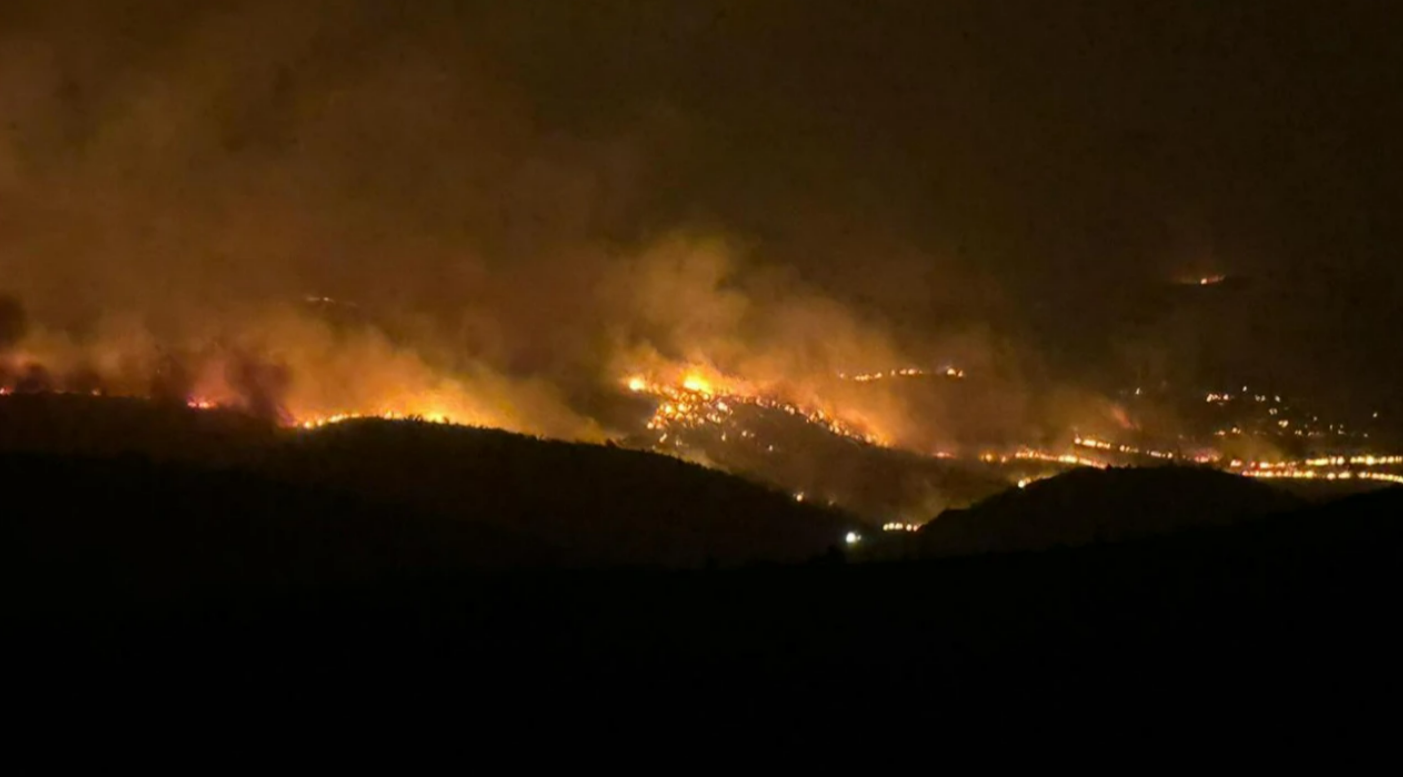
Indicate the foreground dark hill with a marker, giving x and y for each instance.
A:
(80, 425)
(1288, 614)
(591, 505)
(599, 505)
(95, 531)
(1089, 505)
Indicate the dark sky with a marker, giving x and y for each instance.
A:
(1057, 152)
(1026, 170)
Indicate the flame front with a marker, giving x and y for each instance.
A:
(702, 397)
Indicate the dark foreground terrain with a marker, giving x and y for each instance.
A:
(392, 570)
(1289, 612)
(419, 483)
(1089, 505)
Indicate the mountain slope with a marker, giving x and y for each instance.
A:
(600, 505)
(1088, 505)
(591, 505)
(91, 529)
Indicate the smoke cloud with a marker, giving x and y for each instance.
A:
(496, 213)
(176, 183)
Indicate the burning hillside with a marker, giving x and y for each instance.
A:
(786, 435)
(822, 453)
(698, 402)
(286, 364)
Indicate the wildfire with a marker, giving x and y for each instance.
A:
(1102, 445)
(1312, 474)
(687, 397)
(1029, 454)
(906, 372)
(1368, 460)
(309, 422)
(1202, 280)
(697, 384)
(901, 527)
(698, 399)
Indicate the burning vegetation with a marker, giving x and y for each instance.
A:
(807, 434)
(698, 401)
(241, 221)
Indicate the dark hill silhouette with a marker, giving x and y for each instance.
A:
(1089, 505)
(593, 505)
(600, 505)
(129, 528)
(75, 424)
(1273, 613)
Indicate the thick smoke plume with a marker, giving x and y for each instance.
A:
(178, 180)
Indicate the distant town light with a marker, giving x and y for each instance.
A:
(852, 538)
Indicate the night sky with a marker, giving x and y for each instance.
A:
(1029, 176)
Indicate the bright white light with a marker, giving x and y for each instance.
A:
(852, 538)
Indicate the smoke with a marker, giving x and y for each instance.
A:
(176, 178)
